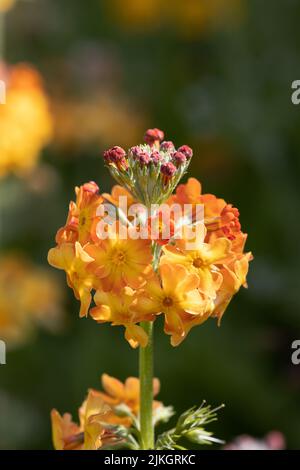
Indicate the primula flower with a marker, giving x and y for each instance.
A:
(82, 218)
(91, 433)
(119, 262)
(203, 260)
(116, 308)
(116, 393)
(74, 261)
(177, 296)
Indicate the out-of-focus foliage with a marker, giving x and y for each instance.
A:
(222, 84)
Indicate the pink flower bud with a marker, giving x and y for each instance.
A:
(156, 157)
(153, 135)
(144, 158)
(186, 150)
(168, 169)
(179, 158)
(114, 154)
(91, 187)
(167, 146)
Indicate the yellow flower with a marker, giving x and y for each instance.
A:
(116, 308)
(121, 262)
(6, 5)
(29, 296)
(90, 434)
(203, 260)
(74, 260)
(25, 121)
(178, 297)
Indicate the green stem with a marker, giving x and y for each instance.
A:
(146, 390)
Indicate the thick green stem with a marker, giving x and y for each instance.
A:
(146, 389)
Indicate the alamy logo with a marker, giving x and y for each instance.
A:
(296, 94)
(2, 352)
(2, 92)
(296, 354)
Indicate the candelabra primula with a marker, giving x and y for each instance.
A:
(177, 254)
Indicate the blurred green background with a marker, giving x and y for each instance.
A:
(215, 77)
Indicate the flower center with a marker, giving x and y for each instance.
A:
(167, 302)
(118, 257)
(198, 263)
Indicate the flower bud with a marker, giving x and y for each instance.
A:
(167, 146)
(186, 150)
(90, 187)
(156, 157)
(179, 158)
(153, 136)
(168, 170)
(116, 155)
(144, 158)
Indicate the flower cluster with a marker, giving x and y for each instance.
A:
(29, 296)
(25, 120)
(136, 278)
(106, 419)
(150, 171)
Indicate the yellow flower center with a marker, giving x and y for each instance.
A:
(167, 302)
(198, 263)
(118, 257)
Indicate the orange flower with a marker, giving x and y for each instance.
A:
(116, 393)
(121, 262)
(117, 192)
(116, 308)
(82, 218)
(178, 297)
(74, 260)
(202, 260)
(90, 434)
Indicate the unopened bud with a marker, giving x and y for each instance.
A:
(186, 150)
(153, 135)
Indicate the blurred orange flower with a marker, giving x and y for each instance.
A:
(116, 393)
(6, 5)
(25, 120)
(29, 296)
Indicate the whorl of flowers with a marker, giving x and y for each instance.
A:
(25, 120)
(134, 278)
(110, 420)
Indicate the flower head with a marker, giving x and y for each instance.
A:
(149, 171)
